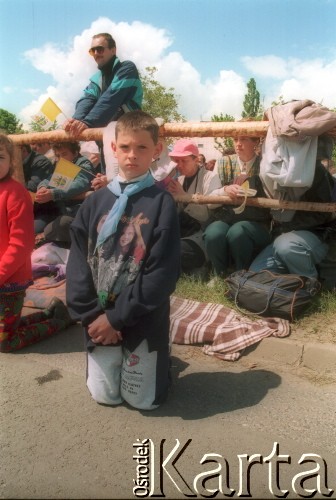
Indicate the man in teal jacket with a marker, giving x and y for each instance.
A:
(112, 91)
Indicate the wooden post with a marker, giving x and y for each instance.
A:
(219, 129)
(176, 129)
(91, 134)
(17, 165)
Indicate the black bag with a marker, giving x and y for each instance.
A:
(269, 294)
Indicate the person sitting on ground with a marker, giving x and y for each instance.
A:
(90, 150)
(16, 246)
(193, 217)
(235, 239)
(36, 167)
(210, 165)
(245, 161)
(57, 207)
(301, 243)
(123, 266)
(201, 160)
(45, 149)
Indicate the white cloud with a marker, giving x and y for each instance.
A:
(266, 66)
(312, 80)
(71, 66)
(296, 79)
(227, 94)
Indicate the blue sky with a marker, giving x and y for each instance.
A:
(206, 49)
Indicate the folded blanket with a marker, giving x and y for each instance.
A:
(40, 293)
(224, 332)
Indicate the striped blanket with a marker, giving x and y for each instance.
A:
(222, 331)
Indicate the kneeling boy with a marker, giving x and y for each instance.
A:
(122, 268)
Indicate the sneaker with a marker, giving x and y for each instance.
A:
(55, 301)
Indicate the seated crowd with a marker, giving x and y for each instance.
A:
(215, 240)
(56, 207)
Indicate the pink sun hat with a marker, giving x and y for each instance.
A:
(184, 147)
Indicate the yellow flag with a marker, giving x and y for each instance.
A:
(64, 174)
(50, 109)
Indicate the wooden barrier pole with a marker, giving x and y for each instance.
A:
(176, 129)
(214, 129)
(257, 202)
(219, 129)
(91, 134)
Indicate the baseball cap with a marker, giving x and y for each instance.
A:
(184, 147)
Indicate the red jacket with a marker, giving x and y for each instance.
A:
(16, 235)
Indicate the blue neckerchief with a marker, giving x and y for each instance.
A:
(113, 217)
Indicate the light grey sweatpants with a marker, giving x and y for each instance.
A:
(141, 378)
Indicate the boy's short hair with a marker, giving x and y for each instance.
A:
(7, 144)
(138, 120)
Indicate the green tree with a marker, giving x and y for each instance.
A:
(251, 104)
(223, 144)
(9, 124)
(159, 101)
(40, 123)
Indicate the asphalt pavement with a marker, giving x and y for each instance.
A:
(57, 443)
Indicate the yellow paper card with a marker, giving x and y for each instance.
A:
(64, 173)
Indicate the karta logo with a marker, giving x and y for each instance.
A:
(158, 465)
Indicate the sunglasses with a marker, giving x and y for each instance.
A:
(99, 49)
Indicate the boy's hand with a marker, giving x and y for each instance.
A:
(102, 332)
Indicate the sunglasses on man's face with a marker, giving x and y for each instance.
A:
(99, 49)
